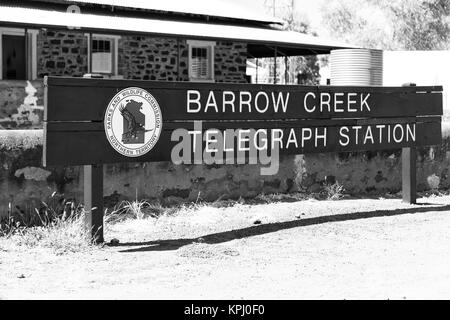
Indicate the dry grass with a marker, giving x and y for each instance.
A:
(138, 209)
(59, 225)
(334, 191)
(62, 235)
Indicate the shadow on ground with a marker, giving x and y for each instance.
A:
(174, 244)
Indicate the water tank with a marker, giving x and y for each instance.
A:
(359, 67)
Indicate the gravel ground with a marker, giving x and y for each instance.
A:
(348, 249)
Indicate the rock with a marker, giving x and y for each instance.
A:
(114, 242)
(315, 188)
(257, 222)
(299, 216)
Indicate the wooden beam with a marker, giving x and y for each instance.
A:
(75, 100)
(87, 143)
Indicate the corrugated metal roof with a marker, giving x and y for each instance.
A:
(215, 8)
(261, 40)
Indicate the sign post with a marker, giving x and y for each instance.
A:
(93, 200)
(409, 191)
(409, 162)
(91, 122)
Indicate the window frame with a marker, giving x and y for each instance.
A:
(209, 45)
(114, 52)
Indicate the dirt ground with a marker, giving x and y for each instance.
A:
(348, 249)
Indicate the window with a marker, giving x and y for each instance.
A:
(104, 53)
(17, 54)
(201, 61)
(102, 57)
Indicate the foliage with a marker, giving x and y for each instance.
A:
(389, 24)
(421, 25)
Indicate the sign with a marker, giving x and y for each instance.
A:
(133, 122)
(96, 121)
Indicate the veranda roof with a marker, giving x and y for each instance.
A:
(261, 41)
(212, 8)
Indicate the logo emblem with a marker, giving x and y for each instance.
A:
(133, 122)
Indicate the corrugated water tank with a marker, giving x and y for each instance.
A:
(360, 67)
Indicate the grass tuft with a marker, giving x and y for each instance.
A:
(138, 209)
(334, 191)
(58, 224)
(62, 235)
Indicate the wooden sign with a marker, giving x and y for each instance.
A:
(86, 119)
(94, 121)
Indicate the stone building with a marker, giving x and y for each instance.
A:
(165, 41)
(174, 41)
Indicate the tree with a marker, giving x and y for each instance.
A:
(389, 24)
(421, 25)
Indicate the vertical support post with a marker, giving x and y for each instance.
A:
(27, 56)
(257, 67)
(93, 200)
(286, 71)
(409, 191)
(409, 180)
(275, 65)
(91, 41)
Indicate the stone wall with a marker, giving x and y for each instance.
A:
(150, 58)
(24, 183)
(21, 104)
(230, 63)
(145, 58)
(62, 53)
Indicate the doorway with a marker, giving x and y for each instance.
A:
(13, 57)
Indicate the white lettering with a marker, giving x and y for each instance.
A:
(191, 101)
(305, 105)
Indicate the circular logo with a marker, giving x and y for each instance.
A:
(133, 122)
